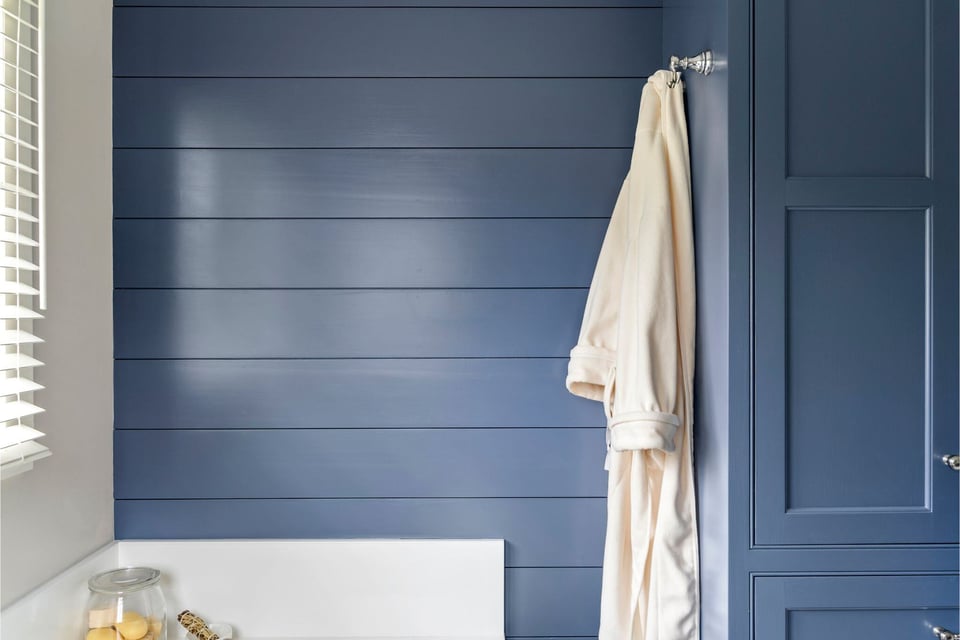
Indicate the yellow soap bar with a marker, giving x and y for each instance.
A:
(102, 617)
(102, 634)
(133, 627)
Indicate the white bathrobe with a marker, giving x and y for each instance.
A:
(635, 354)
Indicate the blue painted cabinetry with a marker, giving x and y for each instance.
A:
(879, 607)
(855, 274)
(853, 394)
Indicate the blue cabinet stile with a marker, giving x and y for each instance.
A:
(349, 264)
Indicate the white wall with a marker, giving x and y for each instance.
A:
(62, 510)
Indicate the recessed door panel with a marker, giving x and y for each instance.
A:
(855, 360)
(843, 607)
(854, 106)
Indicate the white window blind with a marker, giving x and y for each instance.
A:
(21, 236)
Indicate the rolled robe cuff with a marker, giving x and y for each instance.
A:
(634, 430)
(588, 370)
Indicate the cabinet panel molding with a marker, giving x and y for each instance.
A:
(868, 606)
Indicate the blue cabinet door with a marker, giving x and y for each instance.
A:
(881, 607)
(855, 272)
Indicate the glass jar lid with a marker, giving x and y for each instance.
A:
(120, 581)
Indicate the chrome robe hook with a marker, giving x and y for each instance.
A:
(702, 63)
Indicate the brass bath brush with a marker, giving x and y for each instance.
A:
(195, 625)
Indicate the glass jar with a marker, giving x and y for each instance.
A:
(126, 604)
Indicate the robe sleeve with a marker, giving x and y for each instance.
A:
(592, 359)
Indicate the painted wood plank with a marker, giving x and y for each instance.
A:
(386, 42)
(243, 394)
(356, 253)
(539, 532)
(367, 112)
(273, 4)
(367, 183)
(187, 323)
(553, 601)
(359, 463)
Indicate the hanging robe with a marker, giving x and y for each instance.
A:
(635, 354)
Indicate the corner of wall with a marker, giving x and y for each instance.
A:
(688, 28)
(62, 510)
(55, 609)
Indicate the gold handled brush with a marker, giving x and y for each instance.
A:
(194, 624)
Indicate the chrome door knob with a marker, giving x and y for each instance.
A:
(945, 634)
(952, 461)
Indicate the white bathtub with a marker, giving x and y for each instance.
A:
(296, 589)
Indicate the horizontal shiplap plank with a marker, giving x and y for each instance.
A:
(386, 42)
(552, 601)
(367, 112)
(356, 253)
(185, 323)
(242, 394)
(539, 532)
(367, 183)
(359, 463)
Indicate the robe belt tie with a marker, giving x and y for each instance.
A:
(608, 409)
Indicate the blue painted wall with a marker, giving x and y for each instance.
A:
(352, 246)
(688, 28)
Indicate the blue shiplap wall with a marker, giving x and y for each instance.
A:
(352, 247)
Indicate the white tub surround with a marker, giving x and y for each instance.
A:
(297, 589)
(55, 609)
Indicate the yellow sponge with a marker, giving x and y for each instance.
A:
(133, 627)
(102, 633)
